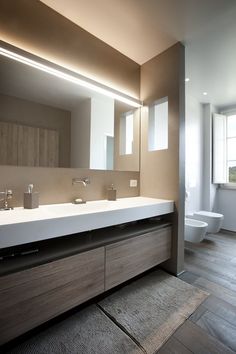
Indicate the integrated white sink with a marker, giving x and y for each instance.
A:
(21, 226)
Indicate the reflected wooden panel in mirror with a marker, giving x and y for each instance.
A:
(50, 122)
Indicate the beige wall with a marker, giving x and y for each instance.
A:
(17, 110)
(162, 172)
(32, 26)
(55, 184)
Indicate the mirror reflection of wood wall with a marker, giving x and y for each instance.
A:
(21, 145)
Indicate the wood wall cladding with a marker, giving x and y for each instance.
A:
(22, 145)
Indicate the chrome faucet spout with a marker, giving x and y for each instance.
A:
(85, 181)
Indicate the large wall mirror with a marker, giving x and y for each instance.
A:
(48, 121)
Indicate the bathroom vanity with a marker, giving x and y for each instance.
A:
(89, 250)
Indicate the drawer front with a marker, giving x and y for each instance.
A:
(33, 296)
(131, 257)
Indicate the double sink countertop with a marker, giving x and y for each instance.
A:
(20, 226)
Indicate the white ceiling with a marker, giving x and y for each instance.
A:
(141, 29)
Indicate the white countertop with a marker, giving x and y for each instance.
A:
(21, 225)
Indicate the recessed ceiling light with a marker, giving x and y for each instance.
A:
(187, 79)
(204, 93)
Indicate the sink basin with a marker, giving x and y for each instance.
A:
(21, 226)
(74, 209)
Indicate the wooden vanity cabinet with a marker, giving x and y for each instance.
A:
(33, 296)
(85, 266)
(128, 258)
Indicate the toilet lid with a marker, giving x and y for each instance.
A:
(208, 213)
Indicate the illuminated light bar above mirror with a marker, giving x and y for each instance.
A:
(68, 75)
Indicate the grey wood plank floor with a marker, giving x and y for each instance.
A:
(211, 266)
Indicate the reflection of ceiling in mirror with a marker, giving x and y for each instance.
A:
(34, 85)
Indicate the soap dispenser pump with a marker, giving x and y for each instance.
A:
(31, 199)
(111, 193)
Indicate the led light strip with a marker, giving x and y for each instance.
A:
(78, 79)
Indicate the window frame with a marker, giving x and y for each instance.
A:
(154, 126)
(228, 185)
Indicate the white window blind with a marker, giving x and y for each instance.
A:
(219, 149)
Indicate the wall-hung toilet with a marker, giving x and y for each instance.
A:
(214, 220)
(194, 230)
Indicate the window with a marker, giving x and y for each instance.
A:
(224, 148)
(158, 125)
(126, 133)
(231, 148)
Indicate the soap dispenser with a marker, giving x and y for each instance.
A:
(31, 199)
(111, 193)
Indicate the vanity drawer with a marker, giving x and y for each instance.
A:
(131, 257)
(31, 297)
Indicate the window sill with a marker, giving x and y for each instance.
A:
(228, 186)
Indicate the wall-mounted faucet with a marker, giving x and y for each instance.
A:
(84, 181)
(7, 196)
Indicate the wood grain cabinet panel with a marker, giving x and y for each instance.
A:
(33, 296)
(131, 257)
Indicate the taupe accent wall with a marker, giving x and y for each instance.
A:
(36, 28)
(162, 172)
(55, 184)
(32, 26)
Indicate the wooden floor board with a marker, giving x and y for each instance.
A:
(189, 277)
(211, 277)
(217, 290)
(173, 346)
(224, 237)
(198, 314)
(211, 266)
(224, 269)
(198, 341)
(221, 329)
(221, 308)
(213, 257)
(212, 248)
